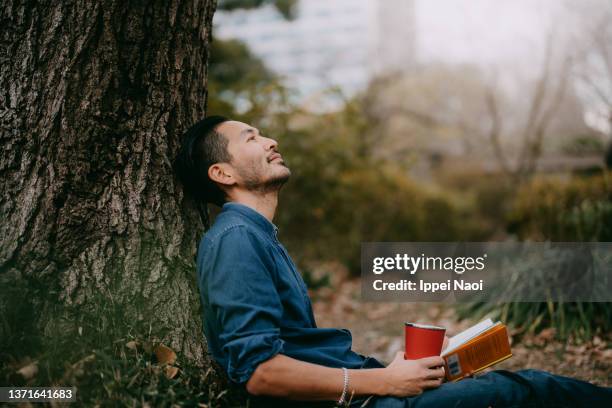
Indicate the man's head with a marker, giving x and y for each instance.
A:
(220, 158)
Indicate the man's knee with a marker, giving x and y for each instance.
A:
(531, 372)
(531, 375)
(544, 379)
(565, 391)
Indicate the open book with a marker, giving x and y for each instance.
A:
(475, 349)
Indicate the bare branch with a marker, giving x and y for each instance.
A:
(495, 131)
(535, 149)
(597, 88)
(539, 96)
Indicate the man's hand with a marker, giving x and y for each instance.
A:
(411, 377)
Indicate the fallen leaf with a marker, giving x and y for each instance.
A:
(155, 370)
(28, 371)
(171, 371)
(164, 354)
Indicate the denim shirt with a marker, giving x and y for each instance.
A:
(255, 302)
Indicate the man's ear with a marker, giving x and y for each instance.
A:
(222, 174)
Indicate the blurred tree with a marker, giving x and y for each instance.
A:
(92, 219)
(543, 101)
(233, 67)
(427, 113)
(594, 71)
(285, 7)
(235, 77)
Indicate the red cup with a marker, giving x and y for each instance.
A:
(423, 340)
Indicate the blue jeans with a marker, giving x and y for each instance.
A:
(504, 389)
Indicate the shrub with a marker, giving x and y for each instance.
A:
(578, 209)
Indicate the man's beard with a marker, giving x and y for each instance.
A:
(254, 181)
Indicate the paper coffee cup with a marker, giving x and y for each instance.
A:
(422, 340)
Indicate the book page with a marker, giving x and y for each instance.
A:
(467, 335)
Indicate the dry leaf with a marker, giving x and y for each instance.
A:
(154, 370)
(607, 354)
(548, 334)
(171, 371)
(164, 355)
(597, 341)
(28, 371)
(132, 345)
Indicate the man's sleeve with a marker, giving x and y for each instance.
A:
(244, 301)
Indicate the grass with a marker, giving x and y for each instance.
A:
(109, 358)
(123, 374)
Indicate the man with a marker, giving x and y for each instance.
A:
(258, 317)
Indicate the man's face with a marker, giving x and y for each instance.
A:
(255, 160)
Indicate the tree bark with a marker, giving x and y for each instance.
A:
(94, 97)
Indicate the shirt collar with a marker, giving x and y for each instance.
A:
(252, 215)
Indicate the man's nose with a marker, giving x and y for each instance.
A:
(270, 144)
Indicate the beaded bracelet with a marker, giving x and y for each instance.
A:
(345, 388)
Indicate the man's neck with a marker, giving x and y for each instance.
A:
(264, 203)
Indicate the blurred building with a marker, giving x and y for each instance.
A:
(396, 27)
(339, 43)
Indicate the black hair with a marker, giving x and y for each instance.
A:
(202, 147)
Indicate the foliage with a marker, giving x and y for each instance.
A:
(578, 321)
(234, 66)
(437, 108)
(584, 145)
(314, 282)
(579, 209)
(236, 77)
(124, 373)
(488, 196)
(109, 358)
(285, 7)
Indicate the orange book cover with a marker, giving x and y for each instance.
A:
(486, 349)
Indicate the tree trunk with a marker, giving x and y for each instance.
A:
(94, 99)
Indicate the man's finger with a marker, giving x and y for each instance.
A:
(435, 373)
(432, 384)
(445, 343)
(434, 361)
